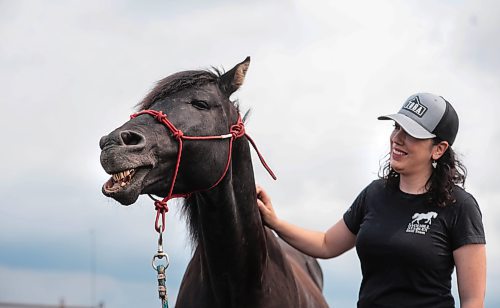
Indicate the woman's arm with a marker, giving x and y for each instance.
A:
(470, 261)
(337, 240)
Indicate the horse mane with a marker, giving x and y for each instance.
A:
(177, 82)
(190, 213)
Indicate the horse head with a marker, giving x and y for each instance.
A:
(142, 155)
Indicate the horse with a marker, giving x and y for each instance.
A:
(237, 261)
(417, 217)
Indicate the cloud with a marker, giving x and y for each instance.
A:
(475, 27)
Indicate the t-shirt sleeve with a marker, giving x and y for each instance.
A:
(355, 213)
(468, 225)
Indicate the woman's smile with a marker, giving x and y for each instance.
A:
(398, 154)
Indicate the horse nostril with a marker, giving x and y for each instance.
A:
(131, 138)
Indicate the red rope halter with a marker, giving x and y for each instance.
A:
(235, 131)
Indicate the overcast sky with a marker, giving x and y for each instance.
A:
(321, 72)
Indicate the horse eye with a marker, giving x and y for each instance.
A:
(202, 105)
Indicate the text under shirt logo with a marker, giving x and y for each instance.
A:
(421, 222)
(414, 106)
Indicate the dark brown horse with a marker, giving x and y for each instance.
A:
(237, 261)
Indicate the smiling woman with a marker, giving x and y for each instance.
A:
(413, 148)
(415, 224)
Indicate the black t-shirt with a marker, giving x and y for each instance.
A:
(405, 245)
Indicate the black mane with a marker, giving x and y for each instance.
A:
(190, 213)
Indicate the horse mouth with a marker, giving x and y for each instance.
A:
(125, 186)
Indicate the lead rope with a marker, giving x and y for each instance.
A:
(235, 131)
(161, 272)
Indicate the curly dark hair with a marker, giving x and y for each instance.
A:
(449, 172)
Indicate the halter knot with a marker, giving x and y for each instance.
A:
(178, 134)
(161, 206)
(237, 130)
(160, 116)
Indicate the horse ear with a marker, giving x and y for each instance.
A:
(233, 79)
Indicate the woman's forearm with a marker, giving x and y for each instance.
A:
(309, 242)
(332, 243)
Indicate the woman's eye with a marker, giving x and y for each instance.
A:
(202, 105)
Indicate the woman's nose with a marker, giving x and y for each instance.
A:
(398, 136)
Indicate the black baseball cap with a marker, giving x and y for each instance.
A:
(426, 115)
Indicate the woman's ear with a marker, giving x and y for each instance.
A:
(439, 149)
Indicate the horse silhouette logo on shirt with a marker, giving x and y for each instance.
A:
(421, 222)
(417, 217)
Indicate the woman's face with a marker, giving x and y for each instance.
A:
(411, 156)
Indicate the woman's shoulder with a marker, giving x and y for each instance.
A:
(461, 195)
(375, 187)
(378, 184)
(463, 200)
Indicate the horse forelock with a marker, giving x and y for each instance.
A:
(177, 82)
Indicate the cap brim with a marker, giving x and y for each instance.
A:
(410, 126)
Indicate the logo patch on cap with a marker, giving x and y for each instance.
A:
(414, 106)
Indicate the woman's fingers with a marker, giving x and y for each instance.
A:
(261, 204)
(266, 207)
(263, 196)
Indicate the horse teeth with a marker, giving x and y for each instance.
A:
(123, 175)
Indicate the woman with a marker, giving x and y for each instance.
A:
(412, 226)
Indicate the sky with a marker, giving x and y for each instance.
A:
(320, 74)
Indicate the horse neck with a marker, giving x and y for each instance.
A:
(231, 236)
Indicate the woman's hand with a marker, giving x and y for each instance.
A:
(266, 208)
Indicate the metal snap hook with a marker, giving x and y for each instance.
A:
(160, 255)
